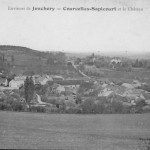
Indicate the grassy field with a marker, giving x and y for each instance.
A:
(138, 73)
(66, 131)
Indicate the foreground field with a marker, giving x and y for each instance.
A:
(65, 131)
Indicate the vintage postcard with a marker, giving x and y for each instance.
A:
(75, 74)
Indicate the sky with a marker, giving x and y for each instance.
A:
(123, 32)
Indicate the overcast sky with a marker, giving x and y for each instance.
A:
(76, 31)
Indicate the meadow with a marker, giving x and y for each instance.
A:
(68, 131)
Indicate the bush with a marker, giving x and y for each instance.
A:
(104, 107)
(126, 109)
(98, 108)
(3, 106)
(12, 105)
(38, 109)
(138, 108)
(18, 106)
(2, 99)
(116, 107)
(73, 111)
(87, 106)
(78, 100)
(146, 88)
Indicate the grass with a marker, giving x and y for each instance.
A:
(65, 131)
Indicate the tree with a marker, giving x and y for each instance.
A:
(26, 90)
(29, 90)
(31, 87)
(78, 100)
(51, 59)
(61, 58)
(145, 63)
(87, 106)
(78, 60)
(140, 64)
(137, 63)
(12, 59)
(3, 58)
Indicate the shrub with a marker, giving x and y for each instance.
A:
(3, 106)
(144, 143)
(78, 100)
(87, 106)
(138, 108)
(146, 88)
(41, 109)
(116, 107)
(2, 99)
(98, 108)
(18, 106)
(73, 111)
(38, 109)
(126, 109)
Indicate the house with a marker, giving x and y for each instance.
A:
(115, 61)
(3, 82)
(105, 93)
(68, 90)
(36, 76)
(16, 83)
(60, 89)
(136, 84)
(41, 80)
(20, 78)
(127, 85)
(72, 88)
(71, 98)
(134, 95)
(104, 85)
(113, 91)
(57, 78)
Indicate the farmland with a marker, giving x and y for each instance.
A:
(66, 131)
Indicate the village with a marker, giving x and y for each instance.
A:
(75, 75)
(56, 92)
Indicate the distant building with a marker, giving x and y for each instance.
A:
(127, 85)
(57, 78)
(3, 82)
(18, 78)
(60, 89)
(115, 61)
(16, 83)
(41, 80)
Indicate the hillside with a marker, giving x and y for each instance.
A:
(23, 60)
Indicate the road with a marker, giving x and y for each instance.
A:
(82, 73)
(39, 100)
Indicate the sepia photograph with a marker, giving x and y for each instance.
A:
(75, 74)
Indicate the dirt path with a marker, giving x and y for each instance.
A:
(39, 100)
(82, 73)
